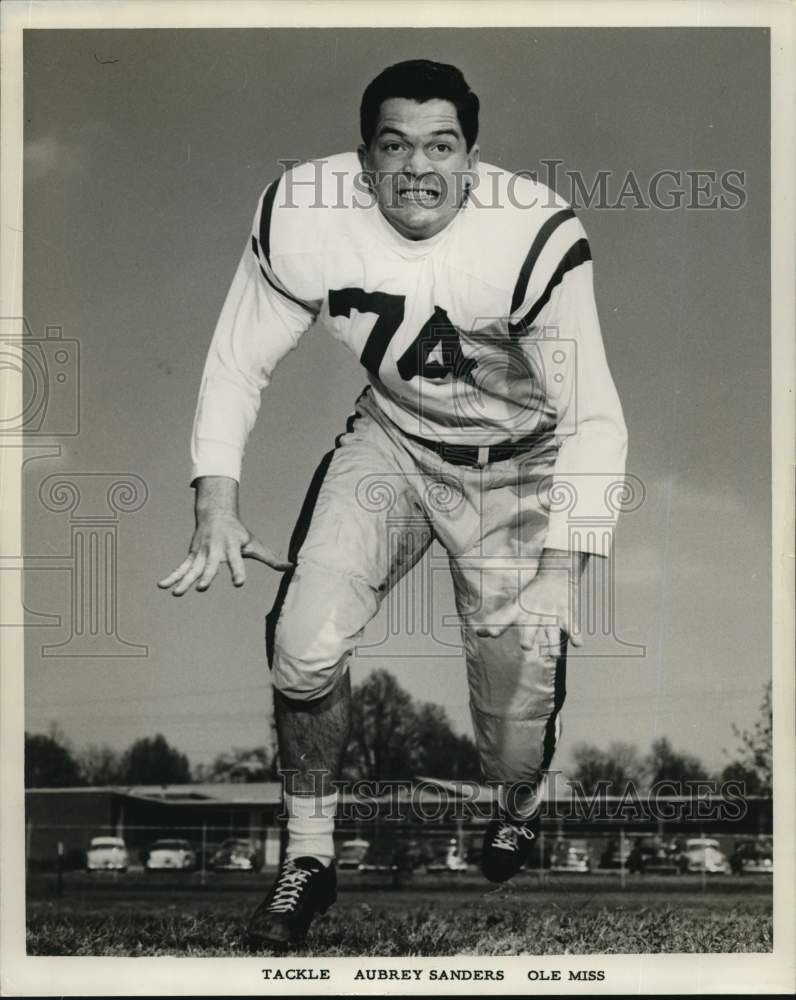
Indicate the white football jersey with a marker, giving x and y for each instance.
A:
(484, 333)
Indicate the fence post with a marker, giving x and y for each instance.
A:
(204, 852)
(622, 872)
(59, 882)
(541, 855)
(282, 841)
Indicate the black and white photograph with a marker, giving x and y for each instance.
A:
(397, 541)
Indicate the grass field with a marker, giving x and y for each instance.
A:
(562, 915)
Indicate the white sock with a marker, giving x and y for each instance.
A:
(310, 827)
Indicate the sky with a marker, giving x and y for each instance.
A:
(145, 155)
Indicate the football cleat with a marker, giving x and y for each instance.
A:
(507, 846)
(303, 888)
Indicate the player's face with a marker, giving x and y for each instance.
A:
(418, 165)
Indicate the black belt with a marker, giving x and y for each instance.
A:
(471, 454)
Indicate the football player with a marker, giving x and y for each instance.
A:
(466, 293)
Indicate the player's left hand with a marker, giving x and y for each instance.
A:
(544, 614)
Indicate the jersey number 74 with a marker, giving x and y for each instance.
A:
(437, 331)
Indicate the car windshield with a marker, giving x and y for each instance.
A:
(750, 846)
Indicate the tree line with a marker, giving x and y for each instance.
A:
(394, 737)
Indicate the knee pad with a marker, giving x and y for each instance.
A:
(507, 682)
(300, 674)
(312, 630)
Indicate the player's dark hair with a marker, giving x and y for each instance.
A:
(420, 80)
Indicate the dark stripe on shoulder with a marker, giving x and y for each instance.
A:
(544, 234)
(265, 219)
(264, 245)
(577, 254)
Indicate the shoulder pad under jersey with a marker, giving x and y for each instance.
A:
(293, 225)
(528, 237)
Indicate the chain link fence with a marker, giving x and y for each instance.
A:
(206, 854)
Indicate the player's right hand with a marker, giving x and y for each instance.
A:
(219, 538)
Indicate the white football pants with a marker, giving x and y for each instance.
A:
(374, 506)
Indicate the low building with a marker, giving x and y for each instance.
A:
(202, 813)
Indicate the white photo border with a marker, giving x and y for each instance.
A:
(24, 975)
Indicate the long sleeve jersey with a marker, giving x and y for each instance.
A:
(484, 333)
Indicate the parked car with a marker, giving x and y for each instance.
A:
(204, 852)
(451, 861)
(616, 853)
(571, 856)
(237, 855)
(107, 854)
(171, 855)
(395, 857)
(653, 854)
(541, 855)
(753, 857)
(702, 854)
(412, 854)
(380, 857)
(352, 853)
